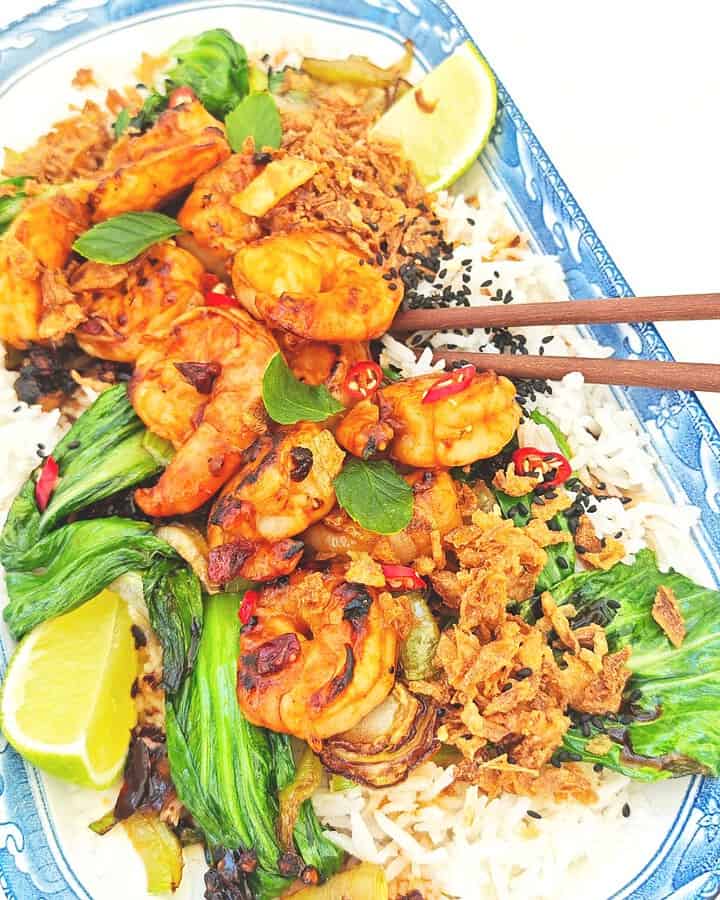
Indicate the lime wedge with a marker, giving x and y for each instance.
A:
(444, 122)
(66, 704)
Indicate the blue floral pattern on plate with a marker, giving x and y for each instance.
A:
(687, 864)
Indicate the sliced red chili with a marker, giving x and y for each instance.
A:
(363, 379)
(402, 578)
(216, 292)
(452, 383)
(46, 482)
(529, 459)
(248, 606)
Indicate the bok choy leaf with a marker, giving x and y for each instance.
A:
(107, 450)
(71, 565)
(52, 567)
(673, 721)
(224, 768)
(174, 601)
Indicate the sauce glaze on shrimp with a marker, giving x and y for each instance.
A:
(199, 385)
(319, 654)
(315, 285)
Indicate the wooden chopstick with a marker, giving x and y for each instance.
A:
(631, 372)
(682, 307)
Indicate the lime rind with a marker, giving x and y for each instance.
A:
(92, 752)
(425, 140)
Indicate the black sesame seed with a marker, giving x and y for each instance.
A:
(506, 687)
(486, 283)
(548, 338)
(525, 672)
(470, 221)
(626, 810)
(562, 563)
(73, 445)
(598, 767)
(533, 814)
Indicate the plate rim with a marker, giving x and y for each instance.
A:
(651, 342)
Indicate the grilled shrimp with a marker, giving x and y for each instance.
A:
(209, 215)
(199, 385)
(142, 172)
(35, 305)
(315, 362)
(435, 509)
(318, 656)
(285, 485)
(127, 304)
(315, 285)
(453, 431)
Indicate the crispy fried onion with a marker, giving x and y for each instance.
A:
(507, 685)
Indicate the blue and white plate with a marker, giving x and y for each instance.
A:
(46, 850)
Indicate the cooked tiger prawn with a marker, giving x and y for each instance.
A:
(35, 303)
(199, 386)
(126, 304)
(435, 510)
(285, 485)
(452, 430)
(209, 215)
(315, 285)
(316, 362)
(319, 654)
(143, 172)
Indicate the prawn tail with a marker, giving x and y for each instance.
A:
(198, 470)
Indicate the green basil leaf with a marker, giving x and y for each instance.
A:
(256, 116)
(16, 181)
(154, 104)
(560, 438)
(121, 123)
(122, 238)
(288, 400)
(10, 206)
(375, 496)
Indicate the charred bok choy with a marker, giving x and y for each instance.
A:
(669, 724)
(51, 566)
(227, 772)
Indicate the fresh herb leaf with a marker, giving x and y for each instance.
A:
(16, 181)
(123, 237)
(256, 116)
(121, 123)
(10, 206)
(154, 104)
(674, 729)
(288, 400)
(215, 66)
(560, 438)
(391, 374)
(375, 496)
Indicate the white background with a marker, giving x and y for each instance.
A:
(625, 97)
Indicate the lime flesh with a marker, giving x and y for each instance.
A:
(66, 703)
(444, 122)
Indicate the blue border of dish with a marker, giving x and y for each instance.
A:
(687, 864)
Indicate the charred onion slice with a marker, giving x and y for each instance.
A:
(382, 749)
